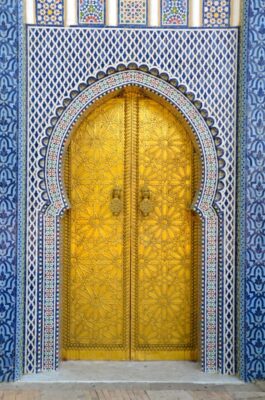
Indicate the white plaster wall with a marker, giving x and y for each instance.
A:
(235, 12)
(154, 12)
(29, 11)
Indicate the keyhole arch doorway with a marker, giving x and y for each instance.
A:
(131, 260)
(55, 199)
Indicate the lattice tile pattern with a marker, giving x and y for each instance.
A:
(216, 13)
(204, 60)
(132, 12)
(49, 12)
(92, 12)
(174, 13)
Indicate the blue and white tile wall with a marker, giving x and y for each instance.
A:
(11, 116)
(251, 189)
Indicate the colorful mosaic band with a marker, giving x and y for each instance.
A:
(92, 12)
(216, 13)
(133, 12)
(174, 13)
(50, 12)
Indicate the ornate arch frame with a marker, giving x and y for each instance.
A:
(55, 201)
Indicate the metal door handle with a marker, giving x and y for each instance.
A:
(116, 202)
(146, 204)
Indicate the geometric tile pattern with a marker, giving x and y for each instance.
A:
(11, 281)
(216, 13)
(251, 193)
(91, 12)
(203, 60)
(174, 13)
(49, 12)
(133, 12)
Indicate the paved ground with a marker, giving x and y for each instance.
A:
(251, 392)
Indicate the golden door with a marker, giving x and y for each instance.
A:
(130, 237)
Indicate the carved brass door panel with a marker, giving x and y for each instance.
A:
(97, 280)
(130, 237)
(164, 306)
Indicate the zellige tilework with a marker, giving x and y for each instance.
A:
(216, 13)
(133, 12)
(174, 12)
(49, 12)
(92, 12)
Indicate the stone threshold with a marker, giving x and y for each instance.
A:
(145, 375)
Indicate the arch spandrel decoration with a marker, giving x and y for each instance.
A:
(55, 201)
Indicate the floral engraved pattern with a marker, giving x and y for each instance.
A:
(97, 288)
(166, 302)
(93, 296)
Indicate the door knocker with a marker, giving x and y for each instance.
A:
(146, 204)
(116, 202)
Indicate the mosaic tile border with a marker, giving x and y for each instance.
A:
(67, 50)
(49, 12)
(22, 196)
(96, 12)
(11, 269)
(216, 13)
(251, 194)
(170, 17)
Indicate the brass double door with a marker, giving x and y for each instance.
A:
(130, 270)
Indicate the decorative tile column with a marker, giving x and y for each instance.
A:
(11, 236)
(251, 193)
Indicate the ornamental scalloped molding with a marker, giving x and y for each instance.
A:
(55, 201)
(48, 195)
